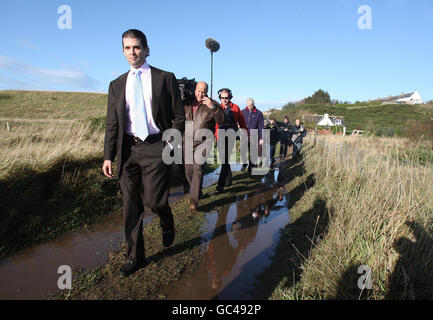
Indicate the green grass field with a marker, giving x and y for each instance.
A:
(51, 105)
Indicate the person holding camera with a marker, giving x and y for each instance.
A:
(274, 137)
(298, 134)
(285, 137)
(204, 113)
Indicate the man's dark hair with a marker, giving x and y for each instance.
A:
(286, 117)
(137, 34)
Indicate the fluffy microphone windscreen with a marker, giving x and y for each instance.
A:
(212, 44)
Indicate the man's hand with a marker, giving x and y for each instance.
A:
(106, 168)
(208, 102)
(261, 142)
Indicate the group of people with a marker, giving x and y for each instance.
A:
(142, 104)
(288, 135)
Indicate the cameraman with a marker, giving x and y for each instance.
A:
(298, 134)
(204, 113)
(274, 138)
(285, 137)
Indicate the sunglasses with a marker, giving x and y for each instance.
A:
(224, 98)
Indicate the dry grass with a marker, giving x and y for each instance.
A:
(36, 144)
(382, 214)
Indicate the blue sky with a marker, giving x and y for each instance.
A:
(274, 51)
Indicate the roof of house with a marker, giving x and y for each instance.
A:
(394, 98)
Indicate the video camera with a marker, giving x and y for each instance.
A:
(186, 88)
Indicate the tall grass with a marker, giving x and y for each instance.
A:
(36, 144)
(382, 214)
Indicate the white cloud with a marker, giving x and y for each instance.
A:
(18, 75)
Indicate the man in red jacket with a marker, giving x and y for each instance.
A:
(234, 119)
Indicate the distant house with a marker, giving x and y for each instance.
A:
(324, 120)
(406, 98)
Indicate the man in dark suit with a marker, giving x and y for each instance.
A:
(142, 103)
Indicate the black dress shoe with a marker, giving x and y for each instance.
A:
(168, 237)
(131, 266)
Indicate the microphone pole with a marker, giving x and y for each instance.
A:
(213, 46)
(211, 74)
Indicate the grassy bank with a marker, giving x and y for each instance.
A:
(52, 105)
(51, 181)
(368, 207)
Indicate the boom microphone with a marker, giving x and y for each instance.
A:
(212, 45)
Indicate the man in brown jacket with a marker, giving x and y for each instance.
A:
(204, 113)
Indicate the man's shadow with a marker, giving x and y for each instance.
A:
(349, 288)
(412, 277)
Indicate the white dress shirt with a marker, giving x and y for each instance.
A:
(146, 81)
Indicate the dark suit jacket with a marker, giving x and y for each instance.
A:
(167, 111)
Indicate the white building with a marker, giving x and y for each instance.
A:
(327, 120)
(407, 98)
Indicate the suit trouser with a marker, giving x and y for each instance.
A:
(144, 182)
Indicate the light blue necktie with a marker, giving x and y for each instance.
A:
(141, 129)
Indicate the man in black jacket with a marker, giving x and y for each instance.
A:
(285, 137)
(298, 134)
(142, 103)
(274, 137)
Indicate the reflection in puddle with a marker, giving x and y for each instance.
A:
(32, 272)
(237, 244)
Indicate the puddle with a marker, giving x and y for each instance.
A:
(237, 243)
(32, 272)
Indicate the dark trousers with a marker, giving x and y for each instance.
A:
(194, 175)
(273, 148)
(283, 148)
(144, 182)
(225, 178)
